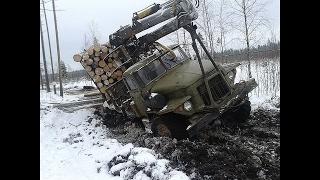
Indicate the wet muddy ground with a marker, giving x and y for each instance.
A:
(249, 151)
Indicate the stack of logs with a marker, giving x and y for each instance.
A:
(102, 64)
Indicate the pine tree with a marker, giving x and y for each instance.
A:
(64, 72)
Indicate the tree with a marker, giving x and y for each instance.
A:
(93, 32)
(91, 37)
(64, 72)
(206, 26)
(251, 19)
(86, 42)
(223, 24)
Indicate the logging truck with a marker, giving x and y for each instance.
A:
(162, 86)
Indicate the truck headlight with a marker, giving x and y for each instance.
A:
(187, 106)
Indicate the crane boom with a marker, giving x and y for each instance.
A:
(182, 12)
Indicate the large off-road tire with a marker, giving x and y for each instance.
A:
(170, 125)
(238, 115)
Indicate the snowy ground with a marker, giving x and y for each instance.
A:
(76, 146)
(266, 72)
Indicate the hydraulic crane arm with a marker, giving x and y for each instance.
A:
(182, 12)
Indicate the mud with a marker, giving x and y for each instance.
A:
(249, 151)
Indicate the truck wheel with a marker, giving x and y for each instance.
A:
(170, 125)
(159, 128)
(240, 114)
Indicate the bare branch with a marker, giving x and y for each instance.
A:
(240, 5)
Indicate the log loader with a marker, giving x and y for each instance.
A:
(170, 92)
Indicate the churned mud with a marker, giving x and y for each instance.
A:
(248, 151)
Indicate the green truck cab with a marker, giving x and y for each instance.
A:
(167, 90)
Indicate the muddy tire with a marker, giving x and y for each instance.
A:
(240, 114)
(171, 125)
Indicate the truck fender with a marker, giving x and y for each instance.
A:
(173, 104)
(230, 67)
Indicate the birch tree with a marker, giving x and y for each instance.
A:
(250, 16)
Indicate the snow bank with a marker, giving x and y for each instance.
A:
(76, 146)
(142, 163)
(264, 102)
(78, 84)
(266, 72)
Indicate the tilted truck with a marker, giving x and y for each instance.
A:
(170, 92)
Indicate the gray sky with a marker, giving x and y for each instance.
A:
(108, 15)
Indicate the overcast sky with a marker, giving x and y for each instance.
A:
(76, 15)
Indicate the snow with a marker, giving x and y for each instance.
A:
(153, 95)
(76, 146)
(164, 108)
(76, 84)
(266, 72)
(61, 159)
(265, 102)
(177, 175)
(142, 156)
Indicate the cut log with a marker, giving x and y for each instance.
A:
(111, 80)
(114, 64)
(99, 71)
(103, 89)
(88, 68)
(106, 68)
(112, 69)
(97, 59)
(119, 78)
(108, 73)
(97, 47)
(119, 73)
(110, 65)
(97, 78)
(91, 74)
(114, 76)
(103, 55)
(89, 61)
(97, 54)
(96, 93)
(77, 57)
(85, 57)
(105, 49)
(106, 82)
(100, 85)
(95, 65)
(90, 51)
(102, 63)
(104, 77)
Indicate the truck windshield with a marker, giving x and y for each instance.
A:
(155, 69)
(146, 74)
(150, 72)
(170, 61)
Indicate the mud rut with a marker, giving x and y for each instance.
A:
(250, 151)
